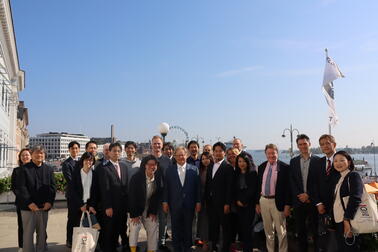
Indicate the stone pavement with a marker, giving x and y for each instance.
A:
(56, 229)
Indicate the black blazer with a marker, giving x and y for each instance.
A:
(323, 186)
(15, 176)
(219, 190)
(32, 188)
(138, 193)
(247, 196)
(75, 191)
(352, 186)
(113, 190)
(182, 196)
(68, 168)
(283, 190)
(296, 180)
(99, 165)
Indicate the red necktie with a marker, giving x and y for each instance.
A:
(329, 165)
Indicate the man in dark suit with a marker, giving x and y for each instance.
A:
(182, 197)
(301, 177)
(113, 190)
(274, 198)
(68, 168)
(322, 187)
(218, 193)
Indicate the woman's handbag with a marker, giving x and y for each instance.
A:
(84, 238)
(366, 218)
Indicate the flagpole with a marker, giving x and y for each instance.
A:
(330, 118)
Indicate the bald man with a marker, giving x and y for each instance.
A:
(238, 144)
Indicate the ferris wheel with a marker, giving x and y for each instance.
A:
(177, 135)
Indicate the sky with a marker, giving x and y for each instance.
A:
(216, 68)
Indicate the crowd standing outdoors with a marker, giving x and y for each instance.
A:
(212, 198)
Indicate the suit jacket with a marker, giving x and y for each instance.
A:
(68, 167)
(323, 186)
(182, 196)
(113, 190)
(352, 186)
(247, 195)
(138, 194)
(75, 191)
(15, 176)
(219, 189)
(34, 188)
(283, 190)
(296, 179)
(100, 164)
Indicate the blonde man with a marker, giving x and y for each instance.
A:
(274, 198)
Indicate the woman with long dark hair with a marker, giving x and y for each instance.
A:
(145, 191)
(245, 188)
(24, 157)
(350, 187)
(206, 161)
(82, 187)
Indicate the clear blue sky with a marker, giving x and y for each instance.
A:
(216, 68)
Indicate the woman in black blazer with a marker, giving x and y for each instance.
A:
(145, 191)
(83, 182)
(24, 157)
(245, 188)
(349, 185)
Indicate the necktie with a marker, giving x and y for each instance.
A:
(118, 170)
(181, 175)
(329, 165)
(267, 181)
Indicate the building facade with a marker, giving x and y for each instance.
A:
(12, 81)
(56, 144)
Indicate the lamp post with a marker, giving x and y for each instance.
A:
(373, 147)
(163, 129)
(291, 131)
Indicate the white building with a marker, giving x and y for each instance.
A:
(56, 144)
(12, 81)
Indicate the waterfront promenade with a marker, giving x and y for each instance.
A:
(56, 228)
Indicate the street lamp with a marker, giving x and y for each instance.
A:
(163, 129)
(373, 146)
(291, 131)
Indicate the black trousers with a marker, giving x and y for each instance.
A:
(217, 218)
(246, 216)
(20, 228)
(71, 221)
(182, 222)
(112, 228)
(342, 245)
(306, 221)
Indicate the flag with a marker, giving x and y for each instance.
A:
(331, 73)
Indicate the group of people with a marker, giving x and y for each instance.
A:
(218, 191)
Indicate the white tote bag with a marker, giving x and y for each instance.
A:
(366, 218)
(84, 239)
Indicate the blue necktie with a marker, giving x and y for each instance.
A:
(267, 181)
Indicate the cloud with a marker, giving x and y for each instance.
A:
(234, 72)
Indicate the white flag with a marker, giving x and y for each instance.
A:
(331, 73)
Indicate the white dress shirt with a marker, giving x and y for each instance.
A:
(181, 172)
(86, 181)
(216, 167)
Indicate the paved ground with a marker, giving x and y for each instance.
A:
(56, 229)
